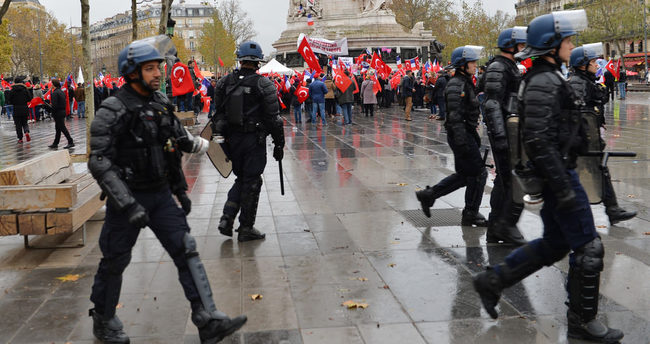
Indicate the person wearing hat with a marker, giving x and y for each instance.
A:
(18, 98)
(247, 111)
(551, 139)
(461, 125)
(135, 154)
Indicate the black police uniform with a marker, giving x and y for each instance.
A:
(552, 139)
(246, 112)
(501, 85)
(135, 158)
(461, 123)
(595, 97)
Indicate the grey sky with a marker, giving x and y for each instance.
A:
(268, 15)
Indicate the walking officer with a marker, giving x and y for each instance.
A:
(461, 123)
(501, 85)
(552, 137)
(594, 97)
(135, 157)
(246, 112)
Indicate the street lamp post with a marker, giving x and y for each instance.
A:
(40, 51)
(645, 39)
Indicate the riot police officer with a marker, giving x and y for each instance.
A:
(461, 123)
(594, 97)
(501, 85)
(246, 112)
(551, 137)
(135, 157)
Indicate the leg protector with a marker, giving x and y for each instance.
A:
(584, 279)
(249, 201)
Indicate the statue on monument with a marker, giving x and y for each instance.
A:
(369, 6)
(297, 9)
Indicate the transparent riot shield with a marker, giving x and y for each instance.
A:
(516, 154)
(216, 153)
(589, 167)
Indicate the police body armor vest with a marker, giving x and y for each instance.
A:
(143, 151)
(242, 102)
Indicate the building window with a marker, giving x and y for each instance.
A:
(190, 12)
(192, 45)
(189, 22)
(201, 12)
(640, 48)
(190, 34)
(632, 47)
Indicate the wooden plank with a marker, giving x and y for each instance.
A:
(8, 224)
(49, 168)
(88, 203)
(37, 197)
(186, 118)
(31, 224)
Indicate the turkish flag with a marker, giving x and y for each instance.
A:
(35, 102)
(342, 81)
(302, 93)
(206, 104)
(356, 86)
(407, 64)
(376, 87)
(417, 63)
(181, 80)
(220, 62)
(305, 50)
(197, 72)
(394, 82)
(611, 67)
(48, 95)
(376, 61)
(618, 69)
(527, 63)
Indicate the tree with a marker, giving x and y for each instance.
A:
(6, 47)
(613, 21)
(134, 20)
(4, 9)
(166, 6)
(182, 52)
(410, 12)
(215, 42)
(88, 68)
(235, 21)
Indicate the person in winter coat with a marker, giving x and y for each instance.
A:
(38, 93)
(330, 101)
(439, 94)
(368, 95)
(407, 89)
(317, 91)
(58, 113)
(19, 97)
(80, 96)
(346, 99)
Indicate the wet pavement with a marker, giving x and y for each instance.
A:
(347, 228)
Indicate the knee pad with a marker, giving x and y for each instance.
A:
(589, 257)
(117, 265)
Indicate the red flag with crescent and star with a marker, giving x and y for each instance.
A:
(181, 80)
(305, 50)
(302, 93)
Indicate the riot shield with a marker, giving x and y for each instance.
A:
(516, 154)
(589, 167)
(216, 153)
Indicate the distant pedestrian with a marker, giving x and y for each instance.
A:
(18, 98)
(368, 95)
(408, 88)
(58, 105)
(622, 84)
(80, 95)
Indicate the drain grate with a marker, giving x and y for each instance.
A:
(439, 217)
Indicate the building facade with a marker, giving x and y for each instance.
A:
(109, 36)
(31, 4)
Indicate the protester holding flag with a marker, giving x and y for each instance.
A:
(317, 91)
(345, 97)
(368, 95)
(609, 83)
(407, 89)
(19, 97)
(38, 93)
(59, 114)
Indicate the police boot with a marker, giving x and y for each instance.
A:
(502, 232)
(488, 285)
(108, 331)
(617, 214)
(249, 202)
(216, 326)
(225, 225)
(426, 197)
(473, 218)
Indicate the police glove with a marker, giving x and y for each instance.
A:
(185, 201)
(278, 153)
(567, 202)
(137, 216)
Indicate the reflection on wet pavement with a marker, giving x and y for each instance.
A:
(346, 229)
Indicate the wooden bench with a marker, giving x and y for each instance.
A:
(43, 196)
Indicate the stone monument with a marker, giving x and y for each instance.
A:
(365, 24)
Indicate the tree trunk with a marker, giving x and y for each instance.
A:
(134, 19)
(166, 7)
(88, 70)
(4, 9)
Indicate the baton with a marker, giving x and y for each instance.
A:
(485, 154)
(606, 155)
(281, 178)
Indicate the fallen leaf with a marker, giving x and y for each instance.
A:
(69, 278)
(401, 184)
(255, 296)
(646, 233)
(392, 265)
(362, 279)
(350, 304)
(386, 286)
(119, 305)
(394, 242)
(631, 196)
(601, 226)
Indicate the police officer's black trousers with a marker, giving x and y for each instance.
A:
(503, 208)
(469, 167)
(118, 236)
(248, 155)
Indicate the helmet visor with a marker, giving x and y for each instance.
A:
(519, 34)
(472, 52)
(163, 44)
(568, 21)
(593, 50)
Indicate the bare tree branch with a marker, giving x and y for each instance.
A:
(4, 9)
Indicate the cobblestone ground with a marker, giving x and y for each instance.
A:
(348, 228)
